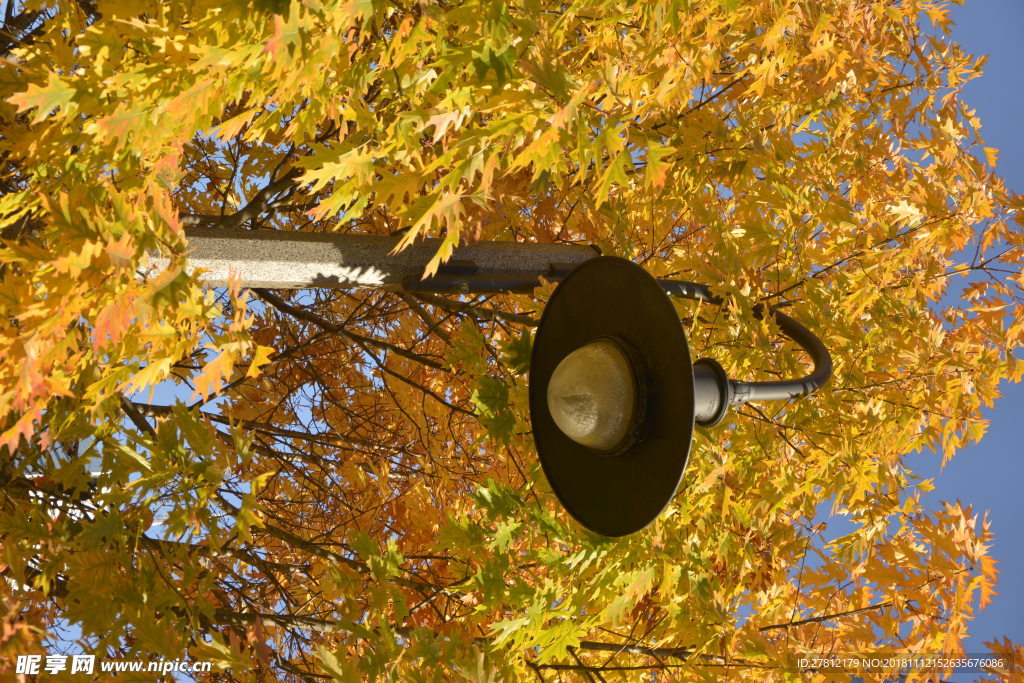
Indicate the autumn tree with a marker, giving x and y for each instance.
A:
(343, 483)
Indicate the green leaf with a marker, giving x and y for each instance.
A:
(517, 352)
(493, 410)
(555, 642)
(57, 93)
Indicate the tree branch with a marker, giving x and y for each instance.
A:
(478, 311)
(827, 617)
(326, 325)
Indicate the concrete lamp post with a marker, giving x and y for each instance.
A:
(614, 395)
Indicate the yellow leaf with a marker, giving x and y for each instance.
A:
(260, 358)
(44, 99)
(211, 379)
(906, 212)
(991, 156)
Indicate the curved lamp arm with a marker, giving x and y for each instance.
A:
(715, 392)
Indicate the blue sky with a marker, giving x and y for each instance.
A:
(989, 474)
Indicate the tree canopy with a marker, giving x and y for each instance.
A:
(344, 483)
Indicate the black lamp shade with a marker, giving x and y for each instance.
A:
(619, 491)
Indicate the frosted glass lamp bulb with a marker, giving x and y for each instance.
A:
(591, 395)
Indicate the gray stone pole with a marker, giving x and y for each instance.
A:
(276, 259)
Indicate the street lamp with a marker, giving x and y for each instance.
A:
(614, 396)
